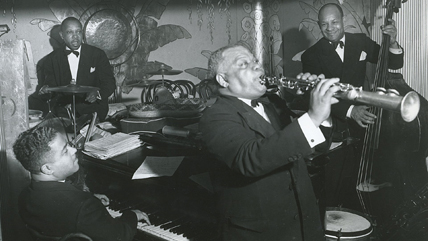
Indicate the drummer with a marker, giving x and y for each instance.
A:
(75, 63)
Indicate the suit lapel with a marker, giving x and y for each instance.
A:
(254, 121)
(330, 58)
(274, 120)
(64, 70)
(257, 123)
(352, 52)
(84, 64)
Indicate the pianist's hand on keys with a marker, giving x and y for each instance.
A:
(140, 215)
(152, 229)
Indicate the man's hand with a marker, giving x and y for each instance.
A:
(308, 77)
(91, 97)
(142, 216)
(103, 198)
(44, 90)
(321, 97)
(391, 30)
(362, 116)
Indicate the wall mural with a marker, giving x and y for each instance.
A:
(261, 31)
(128, 37)
(210, 5)
(129, 33)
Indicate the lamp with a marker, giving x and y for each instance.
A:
(4, 29)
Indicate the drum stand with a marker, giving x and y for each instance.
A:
(53, 121)
(73, 119)
(73, 89)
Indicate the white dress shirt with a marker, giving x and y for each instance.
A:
(73, 61)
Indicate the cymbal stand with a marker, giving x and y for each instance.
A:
(74, 120)
(163, 80)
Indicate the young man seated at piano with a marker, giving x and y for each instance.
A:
(52, 207)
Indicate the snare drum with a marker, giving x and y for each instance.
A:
(346, 224)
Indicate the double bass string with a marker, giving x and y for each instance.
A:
(372, 133)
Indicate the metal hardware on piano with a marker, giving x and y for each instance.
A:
(408, 105)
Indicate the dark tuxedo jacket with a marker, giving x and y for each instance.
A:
(263, 188)
(55, 209)
(94, 70)
(321, 58)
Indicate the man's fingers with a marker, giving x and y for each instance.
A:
(327, 86)
(146, 218)
(303, 76)
(361, 124)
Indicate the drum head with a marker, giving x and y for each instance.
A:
(349, 223)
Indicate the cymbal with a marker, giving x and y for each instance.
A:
(165, 72)
(73, 89)
(144, 83)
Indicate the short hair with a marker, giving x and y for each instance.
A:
(69, 19)
(32, 146)
(334, 5)
(217, 58)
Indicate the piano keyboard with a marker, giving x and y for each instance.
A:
(157, 231)
(163, 231)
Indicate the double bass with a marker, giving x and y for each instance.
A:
(392, 166)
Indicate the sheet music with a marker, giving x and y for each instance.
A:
(155, 166)
(111, 146)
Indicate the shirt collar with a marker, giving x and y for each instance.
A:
(246, 101)
(342, 39)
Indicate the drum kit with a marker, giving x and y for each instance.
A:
(73, 89)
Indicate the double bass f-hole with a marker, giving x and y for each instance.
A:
(407, 105)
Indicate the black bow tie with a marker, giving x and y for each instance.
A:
(68, 52)
(338, 43)
(255, 103)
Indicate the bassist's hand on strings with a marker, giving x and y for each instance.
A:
(362, 116)
(391, 30)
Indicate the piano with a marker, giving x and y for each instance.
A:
(178, 207)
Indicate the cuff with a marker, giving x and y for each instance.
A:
(396, 51)
(348, 113)
(312, 133)
(99, 95)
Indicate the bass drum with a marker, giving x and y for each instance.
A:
(346, 224)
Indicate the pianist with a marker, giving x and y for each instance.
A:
(77, 63)
(263, 188)
(52, 207)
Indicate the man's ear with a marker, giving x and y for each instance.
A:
(60, 34)
(46, 169)
(221, 80)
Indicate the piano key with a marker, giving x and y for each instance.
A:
(164, 234)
